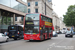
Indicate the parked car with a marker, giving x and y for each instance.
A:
(55, 34)
(59, 32)
(69, 34)
(64, 30)
(3, 38)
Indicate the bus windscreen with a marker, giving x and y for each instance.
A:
(31, 29)
(32, 17)
(32, 24)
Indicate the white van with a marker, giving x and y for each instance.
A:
(64, 30)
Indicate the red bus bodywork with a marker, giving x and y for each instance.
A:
(39, 36)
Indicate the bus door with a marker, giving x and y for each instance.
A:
(47, 29)
(50, 31)
(41, 33)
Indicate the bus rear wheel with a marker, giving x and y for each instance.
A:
(50, 36)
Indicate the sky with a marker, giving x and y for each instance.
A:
(61, 6)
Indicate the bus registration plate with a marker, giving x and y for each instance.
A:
(31, 39)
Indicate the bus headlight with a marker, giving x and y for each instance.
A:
(24, 35)
(37, 35)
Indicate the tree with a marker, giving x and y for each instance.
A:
(69, 18)
(6, 20)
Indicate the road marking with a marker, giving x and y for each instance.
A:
(60, 42)
(54, 44)
(47, 48)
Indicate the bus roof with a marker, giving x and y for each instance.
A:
(40, 14)
(46, 16)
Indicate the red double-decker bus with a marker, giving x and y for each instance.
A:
(37, 27)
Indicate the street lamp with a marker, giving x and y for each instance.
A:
(45, 7)
(56, 24)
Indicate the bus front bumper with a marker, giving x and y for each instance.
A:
(31, 37)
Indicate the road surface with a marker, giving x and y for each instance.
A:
(56, 43)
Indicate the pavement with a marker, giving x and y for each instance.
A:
(56, 43)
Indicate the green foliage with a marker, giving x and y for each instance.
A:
(6, 20)
(69, 18)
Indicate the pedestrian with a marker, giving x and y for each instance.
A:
(5, 33)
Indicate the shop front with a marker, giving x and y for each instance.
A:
(7, 18)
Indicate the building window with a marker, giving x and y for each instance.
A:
(15, 18)
(24, 1)
(36, 10)
(28, 10)
(22, 18)
(28, 4)
(49, 0)
(36, 3)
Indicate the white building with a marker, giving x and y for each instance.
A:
(62, 24)
(38, 6)
(56, 21)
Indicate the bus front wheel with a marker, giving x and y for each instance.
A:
(44, 37)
